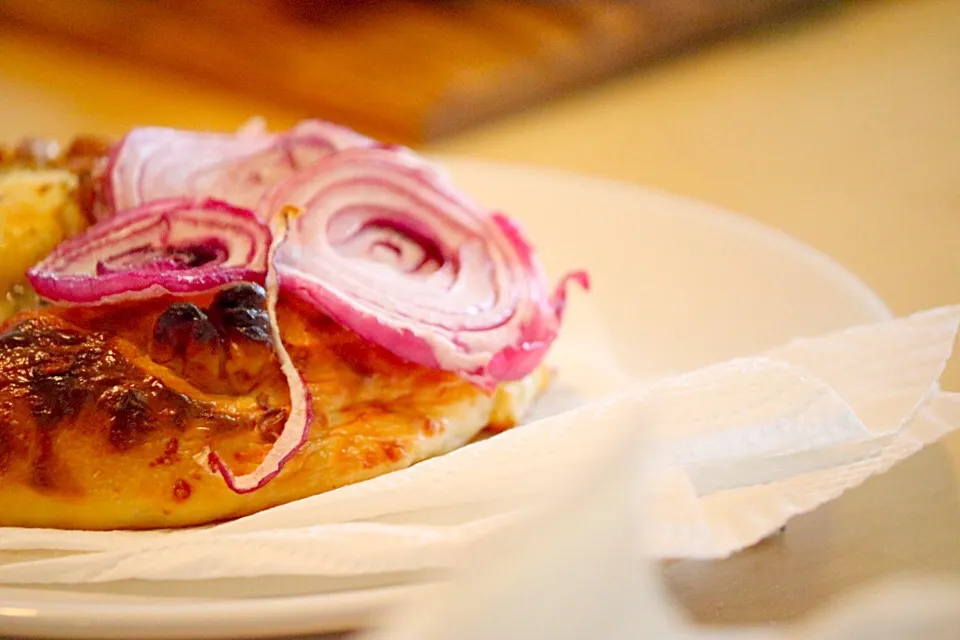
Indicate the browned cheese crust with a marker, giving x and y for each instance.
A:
(107, 414)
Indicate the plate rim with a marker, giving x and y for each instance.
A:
(270, 617)
(696, 208)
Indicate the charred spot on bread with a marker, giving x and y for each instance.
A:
(57, 398)
(271, 424)
(240, 313)
(66, 379)
(186, 341)
(130, 418)
(241, 310)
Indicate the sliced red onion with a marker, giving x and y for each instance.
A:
(152, 163)
(387, 248)
(175, 246)
(296, 429)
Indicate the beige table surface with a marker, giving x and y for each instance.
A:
(842, 129)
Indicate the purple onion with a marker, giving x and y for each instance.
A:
(174, 246)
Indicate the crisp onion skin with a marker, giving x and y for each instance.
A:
(296, 428)
(390, 249)
(152, 163)
(385, 245)
(175, 246)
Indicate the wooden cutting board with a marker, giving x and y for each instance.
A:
(403, 70)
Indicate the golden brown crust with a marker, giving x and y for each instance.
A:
(96, 434)
(83, 157)
(47, 194)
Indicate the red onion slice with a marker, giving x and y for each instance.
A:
(152, 163)
(296, 429)
(175, 246)
(387, 248)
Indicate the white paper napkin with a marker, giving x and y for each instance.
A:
(567, 575)
(741, 447)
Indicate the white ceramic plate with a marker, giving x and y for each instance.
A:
(679, 284)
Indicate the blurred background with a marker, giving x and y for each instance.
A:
(403, 70)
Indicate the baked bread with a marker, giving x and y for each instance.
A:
(107, 414)
(159, 385)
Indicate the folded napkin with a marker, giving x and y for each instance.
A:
(737, 449)
(564, 572)
(562, 575)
